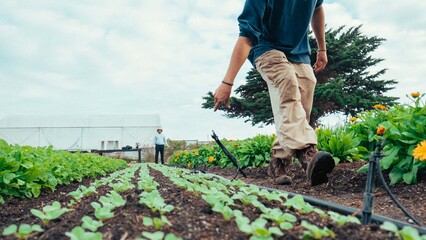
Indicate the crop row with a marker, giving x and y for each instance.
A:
(231, 199)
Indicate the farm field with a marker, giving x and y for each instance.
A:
(160, 202)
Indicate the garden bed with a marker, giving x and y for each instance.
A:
(193, 217)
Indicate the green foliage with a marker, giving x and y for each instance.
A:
(91, 224)
(251, 152)
(25, 170)
(347, 84)
(314, 232)
(343, 145)
(405, 128)
(406, 233)
(50, 212)
(23, 232)
(78, 233)
(155, 202)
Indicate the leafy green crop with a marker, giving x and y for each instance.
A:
(78, 233)
(50, 212)
(23, 232)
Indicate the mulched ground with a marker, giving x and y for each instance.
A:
(193, 218)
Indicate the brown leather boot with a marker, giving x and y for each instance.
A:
(277, 171)
(317, 164)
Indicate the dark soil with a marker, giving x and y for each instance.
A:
(193, 218)
(346, 187)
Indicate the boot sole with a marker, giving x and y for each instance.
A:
(319, 168)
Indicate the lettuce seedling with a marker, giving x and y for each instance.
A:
(258, 229)
(23, 232)
(226, 211)
(78, 233)
(156, 222)
(314, 232)
(90, 224)
(298, 203)
(284, 220)
(50, 212)
(102, 212)
(155, 202)
(341, 220)
(405, 233)
(246, 199)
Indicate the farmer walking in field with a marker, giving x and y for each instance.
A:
(274, 37)
(159, 142)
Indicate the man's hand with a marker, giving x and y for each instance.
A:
(222, 94)
(321, 61)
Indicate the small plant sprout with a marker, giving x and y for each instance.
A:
(112, 199)
(341, 220)
(246, 199)
(101, 212)
(158, 236)
(405, 233)
(284, 220)
(314, 232)
(226, 211)
(258, 228)
(156, 222)
(78, 233)
(298, 203)
(50, 212)
(155, 202)
(23, 232)
(90, 224)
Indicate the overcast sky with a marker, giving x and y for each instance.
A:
(163, 56)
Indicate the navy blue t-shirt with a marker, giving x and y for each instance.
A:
(278, 24)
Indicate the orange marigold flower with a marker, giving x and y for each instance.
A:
(196, 153)
(380, 130)
(380, 106)
(353, 119)
(211, 159)
(236, 145)
(420, 151)
(415, 94)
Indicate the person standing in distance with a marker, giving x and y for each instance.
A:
(274, 38)
(159, 142)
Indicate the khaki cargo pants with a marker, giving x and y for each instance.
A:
(291, 89)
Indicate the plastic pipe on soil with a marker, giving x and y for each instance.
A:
(341, 209)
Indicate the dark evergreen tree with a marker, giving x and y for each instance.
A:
(345, 86)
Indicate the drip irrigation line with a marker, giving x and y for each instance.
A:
(339, 208)
(385, 185)
(229, 155)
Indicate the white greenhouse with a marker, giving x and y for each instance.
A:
(80, 132)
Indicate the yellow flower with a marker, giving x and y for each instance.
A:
(236, 145)
(196, 153)
(317, 129)
(178, 154)
(380, 106)
(189, 164)
(415, 94)
(211, 159)
(353, 119)
(420, 151)
(380, 130)
(186, 152)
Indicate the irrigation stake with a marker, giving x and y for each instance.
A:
(229, 155)
(373, 169)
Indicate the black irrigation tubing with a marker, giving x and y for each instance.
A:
(341, 209)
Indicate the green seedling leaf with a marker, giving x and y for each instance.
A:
(23, 232)
(90, 224)
(153, 236)
(49, 212)
(78, 233)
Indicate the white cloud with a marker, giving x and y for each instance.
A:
(163, 56)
